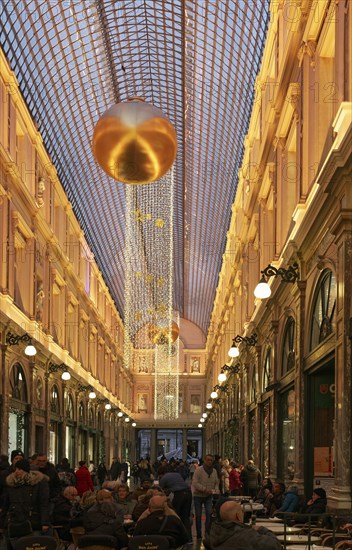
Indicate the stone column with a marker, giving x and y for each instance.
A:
(47, 413)
(63, 409)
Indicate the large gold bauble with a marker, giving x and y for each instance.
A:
(134, 142)
(163, 335)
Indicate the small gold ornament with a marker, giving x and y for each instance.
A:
(159, 223)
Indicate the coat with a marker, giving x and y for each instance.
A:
(233, 535)
(83, 480)
(26, 499)
(290, 502)
(173, 527)
(106, 518)
(234, 480)
(202, 482)
(251, 478)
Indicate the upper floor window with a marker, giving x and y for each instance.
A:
(70, 415)
(288, 348)
(324, 306)
(267, 370)
(54, 400)
(18, 383)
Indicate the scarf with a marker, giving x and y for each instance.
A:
(208, 469)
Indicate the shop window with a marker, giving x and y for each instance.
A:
(287, 436)
(288, 348)
(18, 383)
(324, 307)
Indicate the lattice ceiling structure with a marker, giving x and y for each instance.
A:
(195, 60)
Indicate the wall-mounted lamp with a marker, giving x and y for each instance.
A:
(133, 424)
(209, 405)
(247, 340)
(214, 395)
(221, 387)
(289, 275)
(120, 414)
(53, 367)
(200, 425)
(14, 340)
(82, 388)
(107, 406)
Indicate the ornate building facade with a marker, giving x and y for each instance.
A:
(287, 404)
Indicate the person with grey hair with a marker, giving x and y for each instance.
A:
(230, 532)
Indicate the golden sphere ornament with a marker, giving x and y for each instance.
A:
(163, 335)
(134, 142)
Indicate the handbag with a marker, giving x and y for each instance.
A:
(17, 529)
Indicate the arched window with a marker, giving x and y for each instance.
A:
(70, 410)
(288, 348)
(91, 417)
(267, 370)
(54, 400)
(18, 383)
(324, 307)
(81, 412)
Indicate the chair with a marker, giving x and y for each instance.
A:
(149, 542)
(34, 542)
(77, 533)
(97, 542)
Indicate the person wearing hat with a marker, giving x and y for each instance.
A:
(26, 501)
(16, 455)
(317, 504)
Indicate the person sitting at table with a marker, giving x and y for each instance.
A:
(315, 505)
(274, 499)
(158, 521)
(123, 497)
(290, 501)
(263, 491)
(106, 518)
(230, 532)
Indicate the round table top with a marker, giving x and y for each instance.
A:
(256, 507)
(297, 539)
(270, 520)
(280, 529)
(305, 547)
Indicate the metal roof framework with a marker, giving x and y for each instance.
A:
(195, 60)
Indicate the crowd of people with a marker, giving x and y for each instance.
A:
(37, 497)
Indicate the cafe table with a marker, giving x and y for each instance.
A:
(297, 539)
(279, 529)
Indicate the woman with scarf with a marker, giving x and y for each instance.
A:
(26, 502)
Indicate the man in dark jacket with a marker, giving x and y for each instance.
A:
(26, 499)
(106, 518)
(251, 478)
(159, 523)
(230, 532)
(49, 470)
(62, 512)
(172, 482)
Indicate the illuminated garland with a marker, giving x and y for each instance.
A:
(148, 287)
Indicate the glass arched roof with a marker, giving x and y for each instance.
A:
(196, 60)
